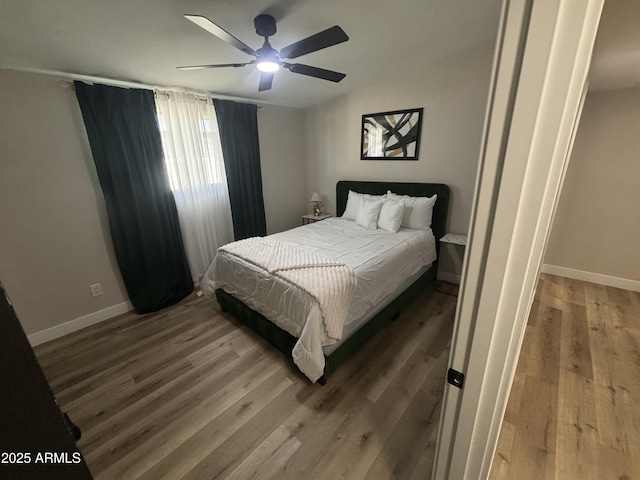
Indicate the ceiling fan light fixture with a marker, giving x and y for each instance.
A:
(269, 60)
(268, 66)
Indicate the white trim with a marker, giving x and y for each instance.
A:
(449, 277)
(599, 278)
(78, 323)
(520, 174)
(505, 68)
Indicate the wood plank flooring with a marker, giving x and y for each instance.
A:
(190, 393)
(574, 408)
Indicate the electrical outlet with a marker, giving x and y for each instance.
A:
(96, 289)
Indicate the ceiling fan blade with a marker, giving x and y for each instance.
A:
(219, 65)
(315, 72)
(266, 79)
(326, 38)
(221, 33)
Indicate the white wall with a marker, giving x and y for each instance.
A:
(54, 235)
(283, 167)
(54, 240)
(453, 93)
(597, 226)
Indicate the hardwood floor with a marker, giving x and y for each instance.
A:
(189, 393)
(574, 408)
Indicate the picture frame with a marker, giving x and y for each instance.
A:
(391, 135)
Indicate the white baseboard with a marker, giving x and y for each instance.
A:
(449, 277)
(617, 282)
(78, 323)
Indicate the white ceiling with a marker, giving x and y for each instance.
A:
(142, 41)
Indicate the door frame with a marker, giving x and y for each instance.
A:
(541, 64)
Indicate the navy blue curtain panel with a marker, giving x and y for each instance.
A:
(238, 126)
(127, 151)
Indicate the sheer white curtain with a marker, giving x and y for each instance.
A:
(195, 167)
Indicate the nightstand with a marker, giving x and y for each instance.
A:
(311, 218)
(455, 239)
(451, 256)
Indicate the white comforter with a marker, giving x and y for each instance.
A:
(330, 283)
(380, 260)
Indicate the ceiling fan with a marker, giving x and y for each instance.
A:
(269, 60)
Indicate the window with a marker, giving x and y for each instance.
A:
(191, 142)
(195, 169)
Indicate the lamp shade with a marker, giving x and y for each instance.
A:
(316, 198)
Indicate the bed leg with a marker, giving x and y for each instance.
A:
(322, 380)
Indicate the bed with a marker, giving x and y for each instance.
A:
(378, 272)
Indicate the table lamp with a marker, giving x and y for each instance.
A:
(316, 199)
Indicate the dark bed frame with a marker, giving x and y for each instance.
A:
(285, 341)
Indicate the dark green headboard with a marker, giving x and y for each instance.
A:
(440, 210)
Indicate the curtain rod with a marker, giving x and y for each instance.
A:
(127, 84)
(201, 97)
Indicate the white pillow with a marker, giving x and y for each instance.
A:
(353, 204)
(367, 216)
(391, 214)
(354, 200)
(418, 211)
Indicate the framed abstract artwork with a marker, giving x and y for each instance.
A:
(391, 135)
